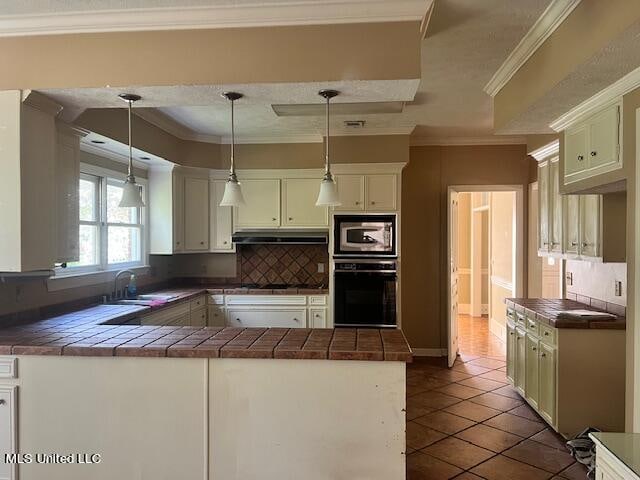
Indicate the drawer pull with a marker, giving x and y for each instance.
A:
(546, 334)
(373, 203)
(296, 320)
(533, 348)
(543, 355)
(273, 219)
(290, 218)
(357, 203)
(594, 153)
(580, 158)
(574, 244)
(510, 333)
(3, 401)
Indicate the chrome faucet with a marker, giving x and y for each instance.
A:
(115, 295)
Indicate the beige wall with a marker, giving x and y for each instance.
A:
(587, 30)
(310, 53)
(596, 280)
(502, 236)
(430, 172)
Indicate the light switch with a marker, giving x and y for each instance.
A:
(618, 288)
(569, 278)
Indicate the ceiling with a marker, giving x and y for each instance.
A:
(466, 42)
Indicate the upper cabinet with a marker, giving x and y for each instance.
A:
(299, 208)
(262, 204)
(220, 220)
(592, 147)
(196, 214)
(372, 193)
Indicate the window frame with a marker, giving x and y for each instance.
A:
(104, 176)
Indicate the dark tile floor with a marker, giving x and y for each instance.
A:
(468, 423)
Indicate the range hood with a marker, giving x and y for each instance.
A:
(290, 237)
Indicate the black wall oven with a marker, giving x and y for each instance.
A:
(365, 293)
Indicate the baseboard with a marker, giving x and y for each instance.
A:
(498, 329)
(429, 352)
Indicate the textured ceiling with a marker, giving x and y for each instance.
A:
(466, 42)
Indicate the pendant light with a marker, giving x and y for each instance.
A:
(232, 193)
(328, 196)
(131, 192)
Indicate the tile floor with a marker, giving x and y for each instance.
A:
(468, 423)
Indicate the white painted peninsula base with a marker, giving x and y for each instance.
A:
(212, 419)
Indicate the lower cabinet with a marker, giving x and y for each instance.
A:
(574, 378)
(193, 313)
(8, 429)
(198, 318)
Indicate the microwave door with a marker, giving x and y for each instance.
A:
(364, 236)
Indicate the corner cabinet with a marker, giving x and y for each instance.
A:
(592, 147)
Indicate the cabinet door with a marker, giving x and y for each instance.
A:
(178, 213)
(220, 219)
(555, 207)
(198, 318)
(521, 354)
(299, 209)
(590, 225)
(262, 204)
(215, 316)
(381, 192)
(67, 206)
(547, 386)
(196, 214)
(604, 138)
(8, 430)
(511, 352)
(286, 318)
(317, 318)
(531, 381)
(544, 237)
(572, 224)
(575, 150)
(350, 192)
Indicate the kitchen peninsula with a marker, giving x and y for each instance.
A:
(188, 402)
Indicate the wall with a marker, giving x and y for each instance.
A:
(596, 280)
(431, 170)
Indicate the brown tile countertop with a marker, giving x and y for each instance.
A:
(546, 311)
(87, 333)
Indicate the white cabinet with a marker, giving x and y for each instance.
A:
(550, 208)
(547, 386)
(318, 318)
(521, 359)
(572, 225)
(174, 315)
(531, 369)
(299, 209)
(220, 219)
(262, 204)
(8, 429)
(381, 192)
(198, 318)
(590, 225)
(67, 176)
(375, 192)
(216, 316)
(350, 192)
(544, 210)
(511, 351)
(178, 212)
(267, 316)
(592, 147)
(196, 214)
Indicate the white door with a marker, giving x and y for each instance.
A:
(452, 347)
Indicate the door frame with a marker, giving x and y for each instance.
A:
(519, 256)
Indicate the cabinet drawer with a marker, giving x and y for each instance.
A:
(215, 300)
(167, 316)
(521, 319)
(318, 300)
(511, 314)
(266, 300)
(198, 302)
(532, 326)
(286, 318)
(547, 334)
(317, 318)
(8, 367)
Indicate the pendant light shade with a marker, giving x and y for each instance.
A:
(232, 196)
(328, 196)
(131, 191)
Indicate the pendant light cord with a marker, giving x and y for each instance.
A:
(130, 103)
(233, 141)
(327, 167)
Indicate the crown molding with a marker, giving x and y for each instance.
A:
(546, 151)
(542, 29)
(607, 96)
(462, 141)
(202, 17)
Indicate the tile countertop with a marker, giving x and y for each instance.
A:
(546, 311)
(624, 446)
(84, 333)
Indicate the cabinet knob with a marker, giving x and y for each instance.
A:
(580, 158)
(543, 355)
(574, 244)
(290, 218)
(3, 401)
(296, 320)
(533, 348)
(357, 203)
(585, 244)
(238, 320)
(273, 219)
(594, 153)
(177, 243)
(373, 203)
(201, 243)
(225, 242)
(546, 334)
(510, 333)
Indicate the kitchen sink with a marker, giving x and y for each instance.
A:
(145, 300)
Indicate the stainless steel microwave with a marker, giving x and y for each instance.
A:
(364, 235)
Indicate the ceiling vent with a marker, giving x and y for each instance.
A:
(354, 123)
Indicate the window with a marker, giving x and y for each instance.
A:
(110, 236)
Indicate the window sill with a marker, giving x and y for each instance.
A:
(85, 279)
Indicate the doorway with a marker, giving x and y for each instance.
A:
(486, 264)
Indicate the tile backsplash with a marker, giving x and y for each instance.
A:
(597, 281)
(286, 264)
